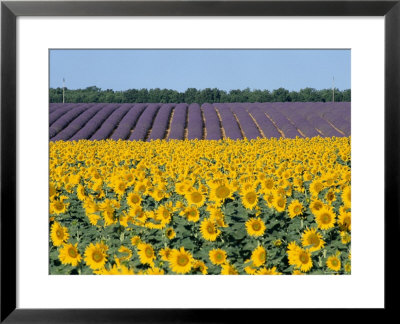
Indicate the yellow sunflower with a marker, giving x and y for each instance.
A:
(146, 253)
(155, 271)
(199, 265)
(346, 196)
(126, 253)
(191, 213)
(58, 234)
(312, 240)
(58, 207)
(195, 197)
(259, 256)
(228, 269)
(133, 199)
(180, 261)
(69, 254)
(165, 253)
(333, 263)
(255, 227)
(217, 256)
(220, 191)
(279, 203)
(345, 237)
(295, 208)
(316, 205)
(325, 218)
(316, 187)
(268, 271)
(300, 258)
(208, 230)
(170, 233)
(96, 256)
(249, 198)
(135, 240)
(345, 220)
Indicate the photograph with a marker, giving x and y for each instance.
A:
(199, 162)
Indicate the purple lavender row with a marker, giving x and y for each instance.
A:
(178, 123)
(323, 126)
(195, 122)
(247, 124)
(128, 122)
(339, 115)
(228, 121)
(62, 122)
(293, 114)
(77, 123)
(160, 124)
(266, 126)
(326, 117)
(53, 116)
(144, 123)
(111, 123)
(336, 114)
(54, 106)
(278, 119)
(94, 123)
(213, 130)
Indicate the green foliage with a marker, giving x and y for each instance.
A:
(191, 95)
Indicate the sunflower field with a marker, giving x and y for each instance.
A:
(276, 206)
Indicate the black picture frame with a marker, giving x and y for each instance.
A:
(10, 10)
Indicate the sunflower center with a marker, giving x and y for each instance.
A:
(97, 256)
(297, 209)
(317, 206)
(219, 256)
(334, 262)
(60, 233)
(262, 256)
(325, 218)
(59, 205)
(210, 228)
(148, 252)
(251, 197)
(121, 186)
(72, 253)
(222, 192)
(280, 203)
(196, 197)
(135, 199)
(347, 221)
(256, 226)
(269, 184)
(303, 258)
(183, 260)
(313, 240)
(318, 187)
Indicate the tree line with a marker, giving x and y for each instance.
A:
(191, 95)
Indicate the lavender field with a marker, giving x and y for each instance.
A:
(147, 122)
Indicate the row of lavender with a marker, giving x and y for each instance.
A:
(154, 121)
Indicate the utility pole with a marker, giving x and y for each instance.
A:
(333, 90)
(63, 90)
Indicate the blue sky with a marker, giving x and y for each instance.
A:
(182, 69)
